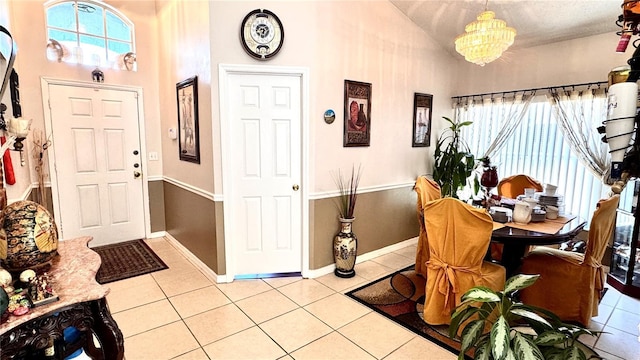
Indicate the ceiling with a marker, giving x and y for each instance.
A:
(537, 22)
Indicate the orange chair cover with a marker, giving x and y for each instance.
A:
(427, 190)
(570, 283)
(459, 236)
(513, 186)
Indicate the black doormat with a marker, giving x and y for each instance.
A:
(125, 260)
(400, 297)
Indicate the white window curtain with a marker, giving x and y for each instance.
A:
(500, 114)
(536, 147)
(579, 114)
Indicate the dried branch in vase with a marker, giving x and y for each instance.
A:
(40, 146)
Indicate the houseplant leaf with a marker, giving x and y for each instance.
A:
(499, 338)
(528, 314)
(548, 338)
(480, 294)
(471, 334)
(574, 353)
(525, 349)
(483, 351)
(459, 316)
(519, 282)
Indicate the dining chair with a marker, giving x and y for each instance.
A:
(459, 236)
(511, 187)
(427, 190)
(571, 283)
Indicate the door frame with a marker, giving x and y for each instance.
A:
(53, 175)
(224, 71)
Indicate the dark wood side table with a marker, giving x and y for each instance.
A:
(82, 305)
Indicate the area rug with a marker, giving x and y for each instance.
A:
(400, 297)
(125, 260)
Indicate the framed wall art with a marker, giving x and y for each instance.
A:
(188, 134)
(357, 113)
(422, 120)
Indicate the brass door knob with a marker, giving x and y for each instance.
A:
(136, 174)
(296, 187)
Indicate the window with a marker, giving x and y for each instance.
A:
(91, 33)
(537, 148)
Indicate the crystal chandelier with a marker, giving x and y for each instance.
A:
(485, 39)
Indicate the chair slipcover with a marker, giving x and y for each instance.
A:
(459, 236)
(427, 190)
(511, 187)
(570, 283)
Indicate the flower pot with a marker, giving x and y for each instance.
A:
(345, 250)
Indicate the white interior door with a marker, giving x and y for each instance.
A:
(265, 197)
(96, 142)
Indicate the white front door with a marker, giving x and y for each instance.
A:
(97, 162)
(264, 122)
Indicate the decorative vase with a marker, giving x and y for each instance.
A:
(28, 236)
(345, 249)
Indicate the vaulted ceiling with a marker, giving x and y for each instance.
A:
(537, 22)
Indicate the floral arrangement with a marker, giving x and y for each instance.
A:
(348, 188)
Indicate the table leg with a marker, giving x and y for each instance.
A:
(512, 254)
(107, 330)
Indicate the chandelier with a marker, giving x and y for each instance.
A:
(485, 39)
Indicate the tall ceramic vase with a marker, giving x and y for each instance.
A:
(345, 249)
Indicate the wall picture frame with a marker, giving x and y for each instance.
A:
(188, 122)
(357, 113)
(422, 105)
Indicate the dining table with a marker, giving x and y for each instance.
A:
(516, 238)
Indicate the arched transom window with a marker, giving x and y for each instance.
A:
(90, 33)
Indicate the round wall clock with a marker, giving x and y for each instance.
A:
(261, 34)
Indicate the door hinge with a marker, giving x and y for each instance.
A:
(49, 103)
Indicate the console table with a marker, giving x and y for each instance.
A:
(82, 304)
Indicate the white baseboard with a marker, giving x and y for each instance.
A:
(364, 257)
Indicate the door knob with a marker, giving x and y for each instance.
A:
(136, 174)
(296, 187)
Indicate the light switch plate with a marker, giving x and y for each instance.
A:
(153, 156)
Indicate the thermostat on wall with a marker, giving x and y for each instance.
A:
(173, 134)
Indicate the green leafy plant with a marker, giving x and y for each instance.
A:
(348, 188)
(454, 162)
(499, 327)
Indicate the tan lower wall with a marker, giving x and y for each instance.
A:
(383, 218)
(191, 219)
(156, 206)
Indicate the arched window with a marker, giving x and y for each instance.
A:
(89, 32)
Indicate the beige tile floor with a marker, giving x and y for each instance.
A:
(179, 313)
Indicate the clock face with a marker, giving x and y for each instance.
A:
(262, 34)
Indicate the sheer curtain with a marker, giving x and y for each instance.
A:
(498, 117)
(579, 113)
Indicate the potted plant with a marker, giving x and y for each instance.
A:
(454, 162)
(497, 326)
(345, 243)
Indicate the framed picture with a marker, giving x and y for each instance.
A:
(422, 120)
(188, 134)
(357, 113)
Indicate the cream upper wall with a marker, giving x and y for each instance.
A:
(28, 29)
(184, 53)
(577, 61)
(368, 41)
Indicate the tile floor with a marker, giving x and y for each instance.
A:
(179, 313)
